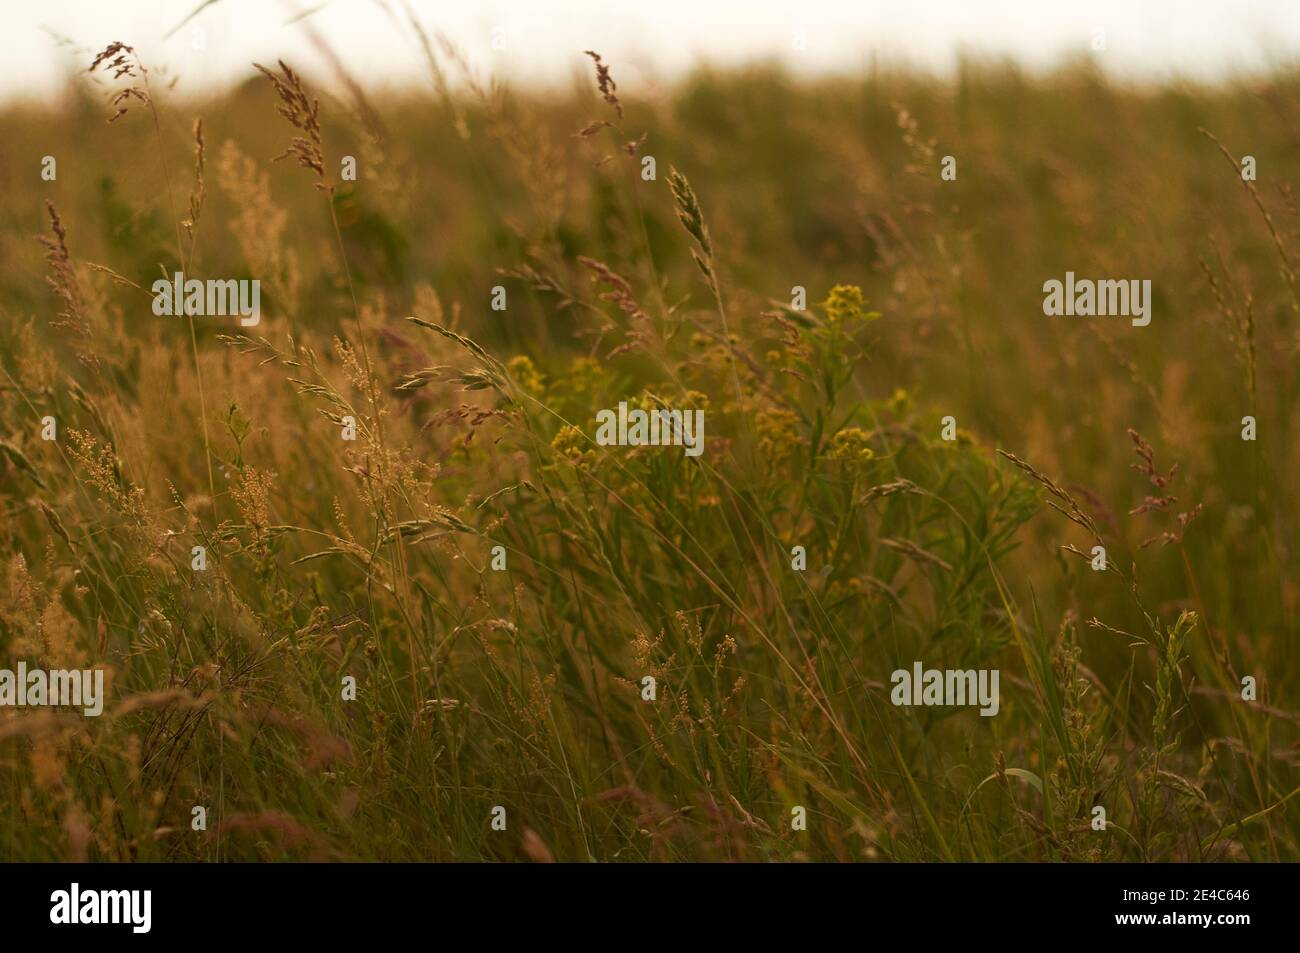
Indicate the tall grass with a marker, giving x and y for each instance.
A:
(523, 688)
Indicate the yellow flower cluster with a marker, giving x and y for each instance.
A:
(850, 446)
(845, 306)
(572, 444)
(778, 431)
(524, 373)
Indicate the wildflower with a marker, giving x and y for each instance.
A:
(845, 305)
(850, 446)
(526, 375)
(585, 376)
(572, 444)
(778, 433)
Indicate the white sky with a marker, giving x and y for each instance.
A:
(542, 40)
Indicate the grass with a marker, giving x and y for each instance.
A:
(523, 687)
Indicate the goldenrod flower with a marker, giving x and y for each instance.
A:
(526, 375)
(850, 446)
(778, 433)
(572, 444)
(845, 305)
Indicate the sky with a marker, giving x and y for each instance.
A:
(541, 41)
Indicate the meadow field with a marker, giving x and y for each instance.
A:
(365, 585)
